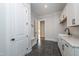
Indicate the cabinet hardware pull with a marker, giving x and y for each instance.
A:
(66, 45)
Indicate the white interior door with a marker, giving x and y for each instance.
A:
(18, 30)
(21, 29)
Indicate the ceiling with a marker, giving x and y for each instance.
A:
(40, 10)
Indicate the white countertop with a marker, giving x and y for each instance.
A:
(73, 41)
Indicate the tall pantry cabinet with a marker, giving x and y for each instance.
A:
(15, 29)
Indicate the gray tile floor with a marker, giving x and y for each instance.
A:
(45, 48)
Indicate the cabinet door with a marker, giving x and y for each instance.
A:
(68, 50)
(76, 51)
(65, 11)
(70, 14)
(63, 42)
(60, 44)
(63, 15)
(76, 8)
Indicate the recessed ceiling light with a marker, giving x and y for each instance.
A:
(45, 6)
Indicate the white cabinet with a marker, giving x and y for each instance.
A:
(76, 51)
(76, 7)
(68, 50)
(17, 25)
(60, 45)
(72, 14)
(65, 48)
(63, 16)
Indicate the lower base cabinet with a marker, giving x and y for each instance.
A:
(66, 49)
(60, 45)
(76, 51)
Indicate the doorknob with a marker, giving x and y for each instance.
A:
(13, 39)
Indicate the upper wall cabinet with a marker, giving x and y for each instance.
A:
(63, 16)
(72, 14)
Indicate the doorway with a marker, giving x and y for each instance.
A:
(41, 33)
(42, 30)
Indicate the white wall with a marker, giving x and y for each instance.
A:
(52, 26)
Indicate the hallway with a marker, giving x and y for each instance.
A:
(45, 48)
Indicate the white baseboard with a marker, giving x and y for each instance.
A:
(55, 40)
(34, 44)
(29, 50)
